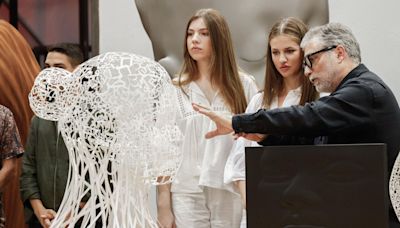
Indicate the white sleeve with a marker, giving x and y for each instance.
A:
(235, 168)
(255, 103)
(235, 165)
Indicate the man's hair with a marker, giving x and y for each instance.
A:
(73, 51)
(334, 34)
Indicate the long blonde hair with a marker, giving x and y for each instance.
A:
(224, 71)
(296, 29)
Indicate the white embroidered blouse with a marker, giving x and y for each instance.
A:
(204, 159)
(235, 165)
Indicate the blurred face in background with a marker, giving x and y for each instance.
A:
(60, 60)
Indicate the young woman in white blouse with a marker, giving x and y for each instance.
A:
(285, 85)
(198, 196)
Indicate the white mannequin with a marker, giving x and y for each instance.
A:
(249, 22)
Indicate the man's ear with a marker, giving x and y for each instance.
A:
(341, 53)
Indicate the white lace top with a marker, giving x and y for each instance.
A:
(235, 165)
(204, 159)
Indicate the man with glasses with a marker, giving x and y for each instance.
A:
(360, 109)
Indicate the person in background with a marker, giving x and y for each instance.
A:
(10, 149)
(64, 55)
(285, 85)
(46, 161)
(210, 76)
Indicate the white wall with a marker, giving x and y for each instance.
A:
(374, 23)
(376, 26)
(120, 28)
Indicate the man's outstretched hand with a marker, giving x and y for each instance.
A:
(223, 123)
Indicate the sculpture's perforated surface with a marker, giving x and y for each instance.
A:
(116, 113)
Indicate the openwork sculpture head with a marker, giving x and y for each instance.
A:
(116, 113)
(50, 93)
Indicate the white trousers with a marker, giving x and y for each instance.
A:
(212, 208)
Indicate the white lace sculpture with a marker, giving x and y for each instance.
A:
(116, 115)
(394, 187)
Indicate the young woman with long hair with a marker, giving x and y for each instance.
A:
(209, 76)
(285, 85)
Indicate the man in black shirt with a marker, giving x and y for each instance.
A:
(360, 109)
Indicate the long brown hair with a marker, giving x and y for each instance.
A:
(224, 71)
(273, 79)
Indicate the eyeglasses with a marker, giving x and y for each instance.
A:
(307, 62)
